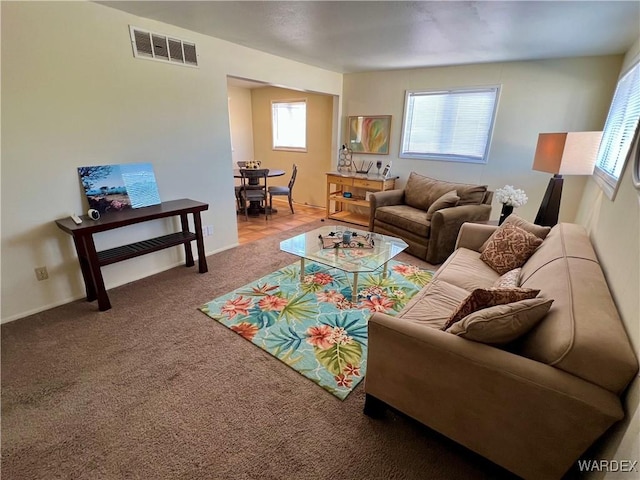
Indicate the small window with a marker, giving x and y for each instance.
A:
(289, 125)
(450, 125)
(619, 131)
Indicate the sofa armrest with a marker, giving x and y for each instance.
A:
(529, 417)
(383, 199)
(473, 235)
(445, 225)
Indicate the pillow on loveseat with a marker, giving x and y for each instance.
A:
(509, 247)
(502, 324)
(489, 297)
(448, 200)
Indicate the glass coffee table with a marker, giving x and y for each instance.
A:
(375, 251)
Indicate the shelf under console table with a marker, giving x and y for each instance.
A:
(91, 260)
(358, 185)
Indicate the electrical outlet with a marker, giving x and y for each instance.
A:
(41, 273)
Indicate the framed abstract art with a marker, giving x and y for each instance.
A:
(369, 134)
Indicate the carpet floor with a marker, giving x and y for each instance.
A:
(155, 389)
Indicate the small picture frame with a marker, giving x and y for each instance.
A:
(386, 171)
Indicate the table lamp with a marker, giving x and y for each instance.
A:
(567, 153)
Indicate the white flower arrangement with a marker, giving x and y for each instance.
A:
(514, 197)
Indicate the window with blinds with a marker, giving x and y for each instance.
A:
(289, 125)
(619, 131)
(451, 125)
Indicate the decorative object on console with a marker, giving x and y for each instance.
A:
(370, 134)
(345, 162)
(93, 214)
(566, 153)
(379, 166)
(387, 170)
(112, 188)
(510, 198)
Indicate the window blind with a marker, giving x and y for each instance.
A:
(453, 125)
(619, 129)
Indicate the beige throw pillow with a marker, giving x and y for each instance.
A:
(503, 323)
(509, 247)
(511, 279)
(489, 297)
(449, 199)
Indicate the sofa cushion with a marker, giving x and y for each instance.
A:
(582, 334)
(434, 304)
(502, 324)
(509, 247)
(448, 200)
(405, 217)
(489, 297)
(511, 279)
(464, 269)
(513, 219)
(420, 191)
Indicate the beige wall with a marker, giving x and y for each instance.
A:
(614, 228)
(74, 95)
(240, 118)
(312, 164)
(569, 94)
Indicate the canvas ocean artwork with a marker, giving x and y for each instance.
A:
(113, 188)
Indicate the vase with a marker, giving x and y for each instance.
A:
(506, 211)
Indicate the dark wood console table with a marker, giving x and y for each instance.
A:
(91, 261)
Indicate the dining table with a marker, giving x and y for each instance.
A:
(255, 209)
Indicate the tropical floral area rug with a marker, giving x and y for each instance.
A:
(313, 326)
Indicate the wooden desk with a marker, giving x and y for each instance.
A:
(91, 260)
(358, 185)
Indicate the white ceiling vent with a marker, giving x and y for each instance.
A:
(156, 46)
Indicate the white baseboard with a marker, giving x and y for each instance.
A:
(64, 301)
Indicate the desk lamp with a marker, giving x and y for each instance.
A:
(567, 153)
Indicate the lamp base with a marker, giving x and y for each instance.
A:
(550, 207)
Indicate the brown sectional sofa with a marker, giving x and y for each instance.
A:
(410, 214)
(533, 406)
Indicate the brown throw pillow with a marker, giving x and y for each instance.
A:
(503, 323)
(509, 247)
(513, 219)
(511, 279)
(489, 297)
(449, 199)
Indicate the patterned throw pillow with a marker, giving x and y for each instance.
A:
(511, 279)
(449, 199)
(503, 323)
(513, 219)
(489, 297)
(509, 247)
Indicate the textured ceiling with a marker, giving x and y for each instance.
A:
(352, 36)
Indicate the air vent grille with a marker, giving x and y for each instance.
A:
(156, 46)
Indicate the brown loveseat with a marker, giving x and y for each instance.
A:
(425, 217)
(532, 406)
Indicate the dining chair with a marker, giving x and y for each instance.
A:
(277, 190)
(242, 164)
(252, 190)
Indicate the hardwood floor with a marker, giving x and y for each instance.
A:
(257, 228)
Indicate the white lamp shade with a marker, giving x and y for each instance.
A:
(568, 153)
